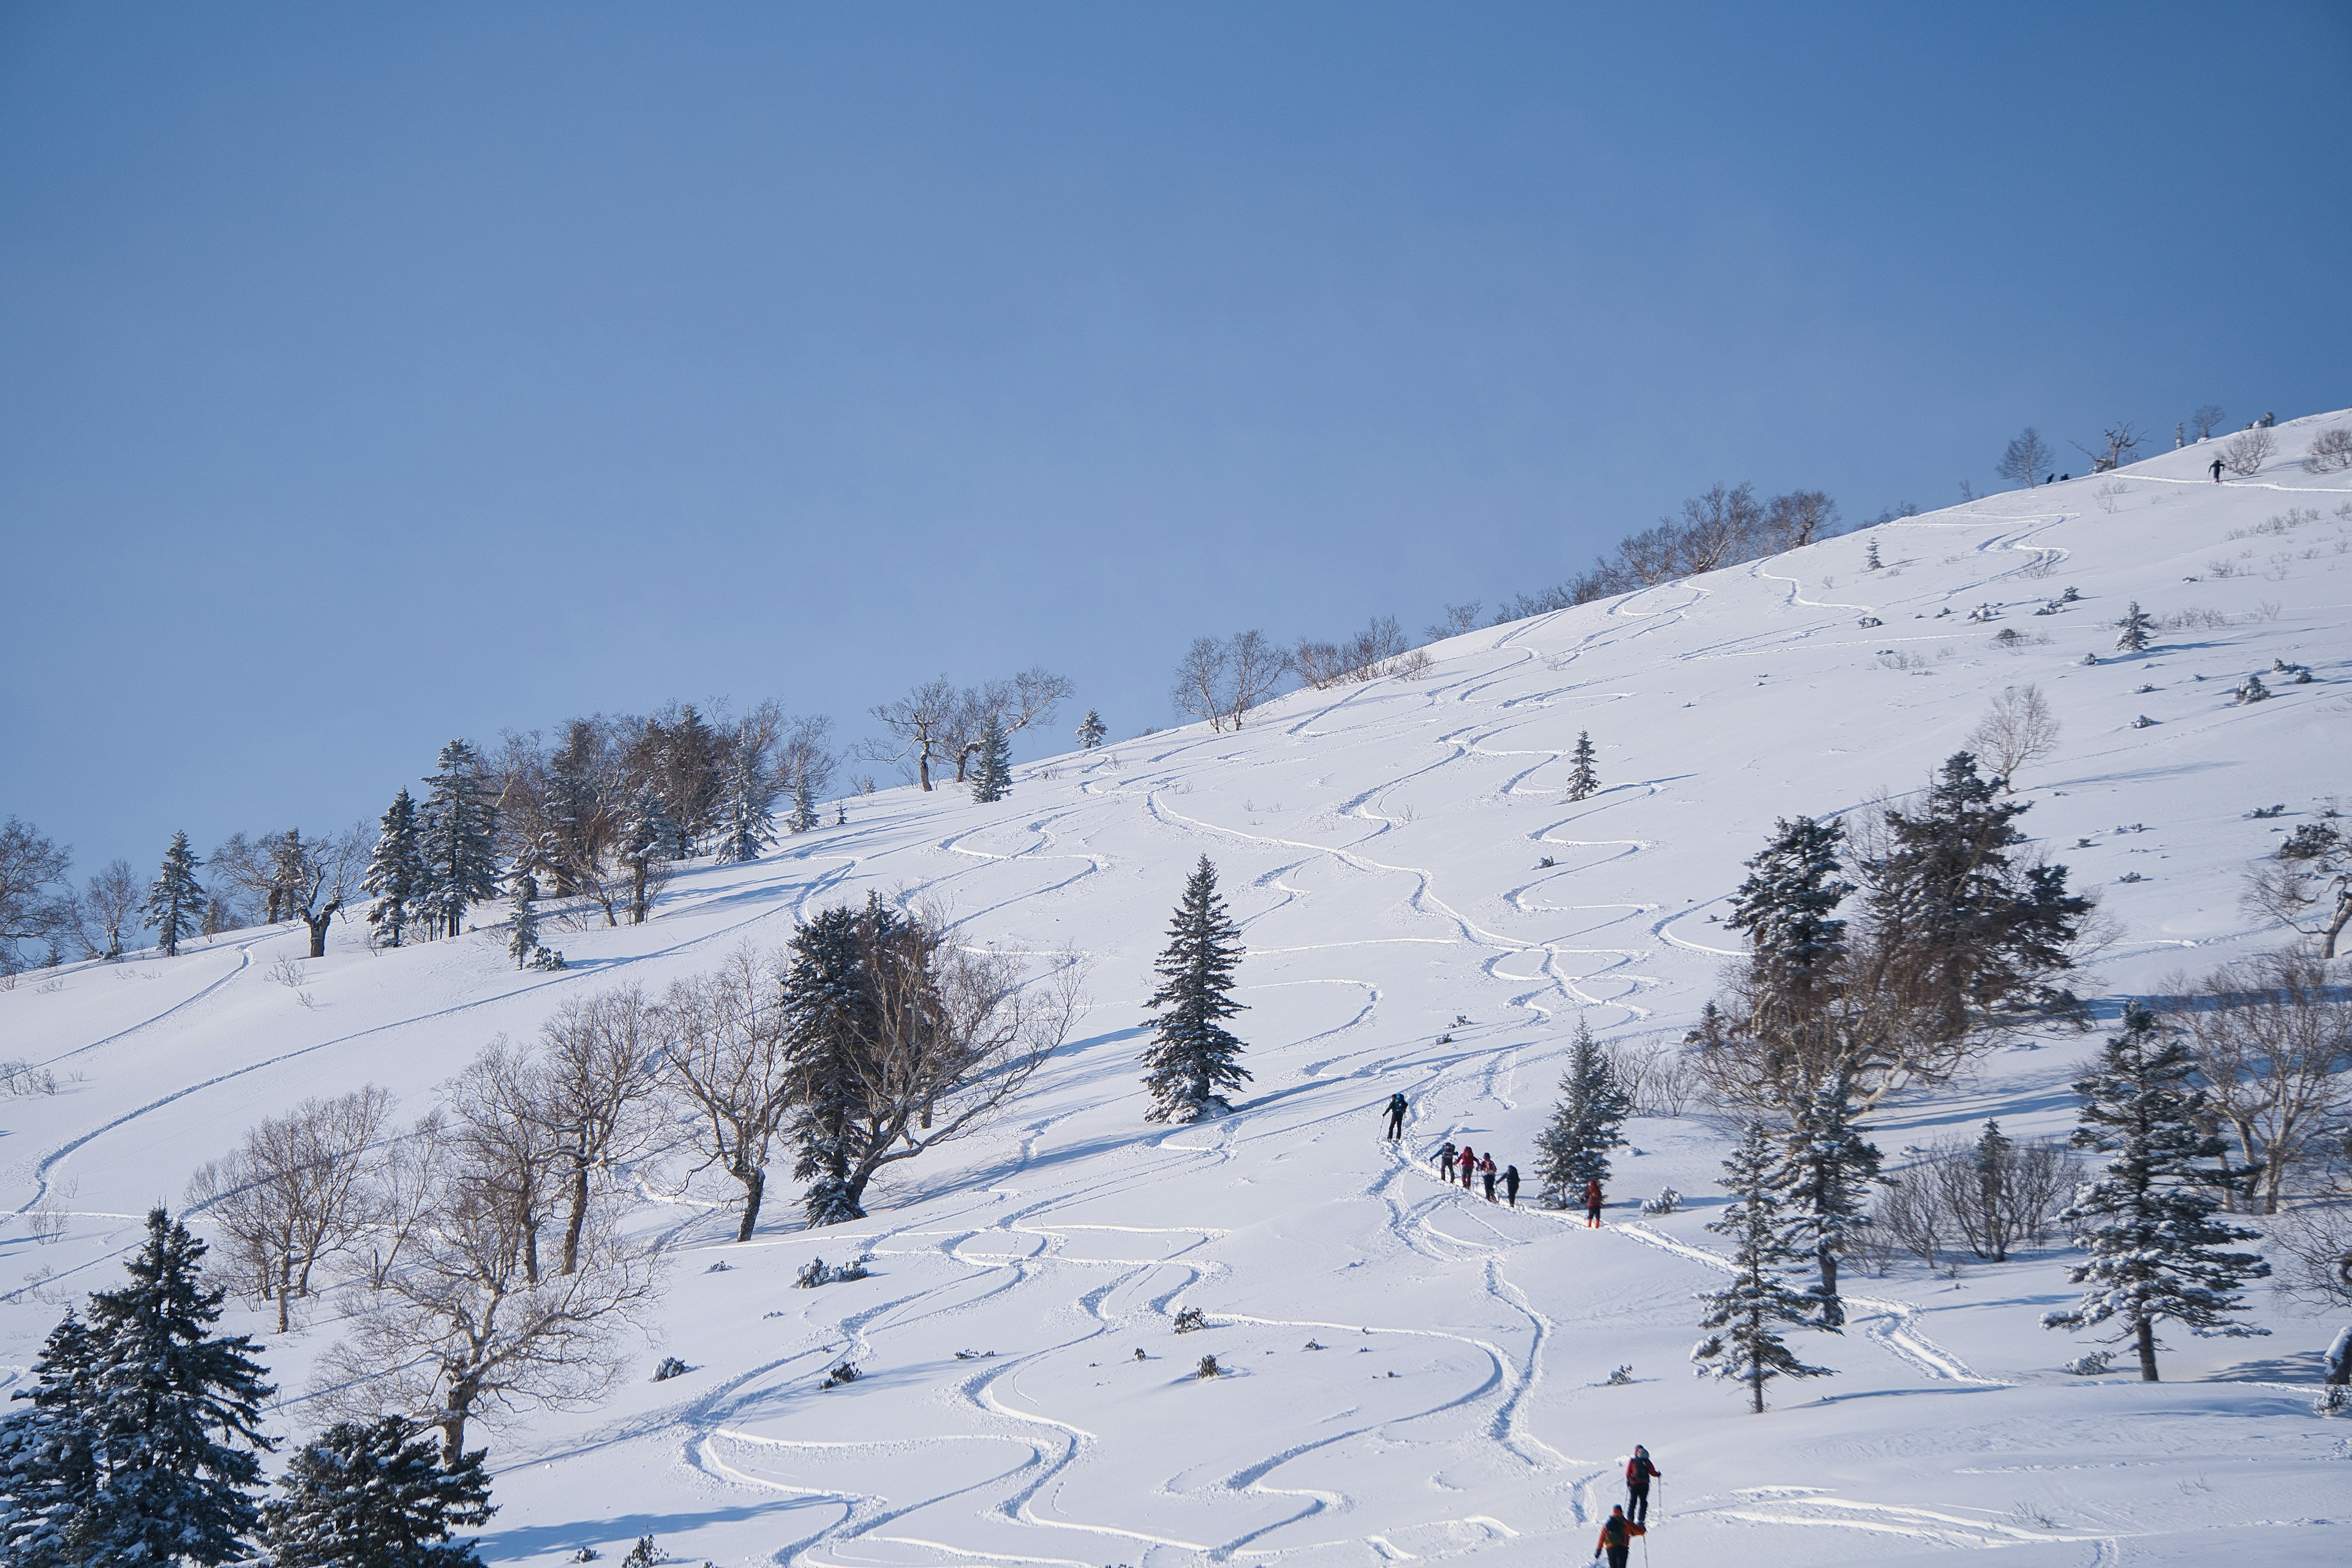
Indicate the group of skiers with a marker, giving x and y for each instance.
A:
(1475, 1169)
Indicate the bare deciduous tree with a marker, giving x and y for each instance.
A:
(1375, 652)
(595, 1092)
(2245, 453)
(1457, 619)
(2027, 459)
(2020, 729)
(2121, 441)
(921, 724)
(497, 1137)
(1995, 1192)
(464, 1329)
(1029, 697)
(2331, 451)
(726, 1058)
(33, 902)
(2206, 420)
(296, 1191)
(1796, 520)
(2308, 885)
(1222, 682)
(2272, 1038)
(404, 1180)
(2317, 1242)
(109, 909)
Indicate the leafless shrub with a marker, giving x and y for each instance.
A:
(2245, 453)
(1995, 1192)
(1222, 682)
(294, 1192)
(2020, 729)
(2272, 1038)
(25, 1081)
(2331, 451)
(1457, 619)
(2195, 620)
(1368, 655)
(49, 1213)
(2206, 420)
(1656, 1075)
(287, 971)
(2110, 495)
(1906, 1209)
(727, 1057)
(595, 1090)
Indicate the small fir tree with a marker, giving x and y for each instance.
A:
(747, 822)
(804, 816)
(375, 1495)
(1870, 561)
(396, 873)
(458, 839)
(1744, 1317)
(177, 900)
(1091, 731)
(2155, 1248)
(646, 835)
(1585, 1125)
(1990, 1161)
(1192, 1058)
(1582, 778)
(522, 893)
(1826, 1174)
(994, 780)
(2134, 631)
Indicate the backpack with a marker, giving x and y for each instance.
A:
(1612, 1529)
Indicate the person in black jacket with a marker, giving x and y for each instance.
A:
(1511, 1185)
(1638, 1472)
(1396, 1116)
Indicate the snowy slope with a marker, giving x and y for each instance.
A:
(1382, 846)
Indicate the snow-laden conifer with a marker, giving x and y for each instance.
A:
(804, 816)
(747, 824)
(645, 834)
(49, 1455)
(1192, 1057)
(175, 900)
(1825, 1175)
(2148, 1222)
(2134, 631)
(170, 1415)
(1091, 731)
(375, 1495)
(1744, 1318)
(522, 908)
(1787, 907)
(1573, 1147)
(830, 1009)
(459, 840)
(395, 872)
(1582, 777)
(993, 779)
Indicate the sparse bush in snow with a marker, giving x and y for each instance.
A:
(2020, 729)
(1621, 1378)
(2250, 689)
(1190, 1318)
(1208, 1368)
(2331, 451)
(2245, 453)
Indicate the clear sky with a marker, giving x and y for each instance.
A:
(370, 375)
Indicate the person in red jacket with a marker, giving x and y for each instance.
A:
(1592, 1202)
(1617, 1534)
(1638, 1472)
(1469, 1166)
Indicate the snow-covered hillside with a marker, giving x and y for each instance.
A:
(1383, 846)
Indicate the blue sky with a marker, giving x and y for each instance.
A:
(370, 377)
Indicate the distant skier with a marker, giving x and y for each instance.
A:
(1511, 1185)
(1638, 1472)
(1592, 1202)
(1445, 1161)
(1396, 1116)
(1617, 1534)
(2217, 470)
(1469, 1165)
(1487, 1174)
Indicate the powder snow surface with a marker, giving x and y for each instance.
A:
(1382, 846)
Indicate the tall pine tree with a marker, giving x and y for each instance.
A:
(747, 816)
(375, 1495)
(1192, 1057)
(154, 1420)
(522, 905)
(1744, 1318)
(1582, 777)
(832, 1011)
(459, 840)
(645, 834)
(994, 780)
(396, 873)
(1826, 1174)
(1573, 1148)
(1787, 907)
(2147, 1223)
(177, 900)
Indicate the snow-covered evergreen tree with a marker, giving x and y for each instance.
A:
(830, 1006)
(993, 781)
(2134, 631)
(685, 776)
(1582, 777)
(170, 1415)
(804, 816)
(1573, 1147)
(396, 873)
(1787, 907)
(1192, 1058)
(175, 900)
(1745, 1316)
(646, 835)
(457, 840)
(747, 824)
(48, 1458)
(522, 907)
(2155, 1248)
(375, 1495)
(1825, 1176)
(1091, 731)
(1870, 561)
